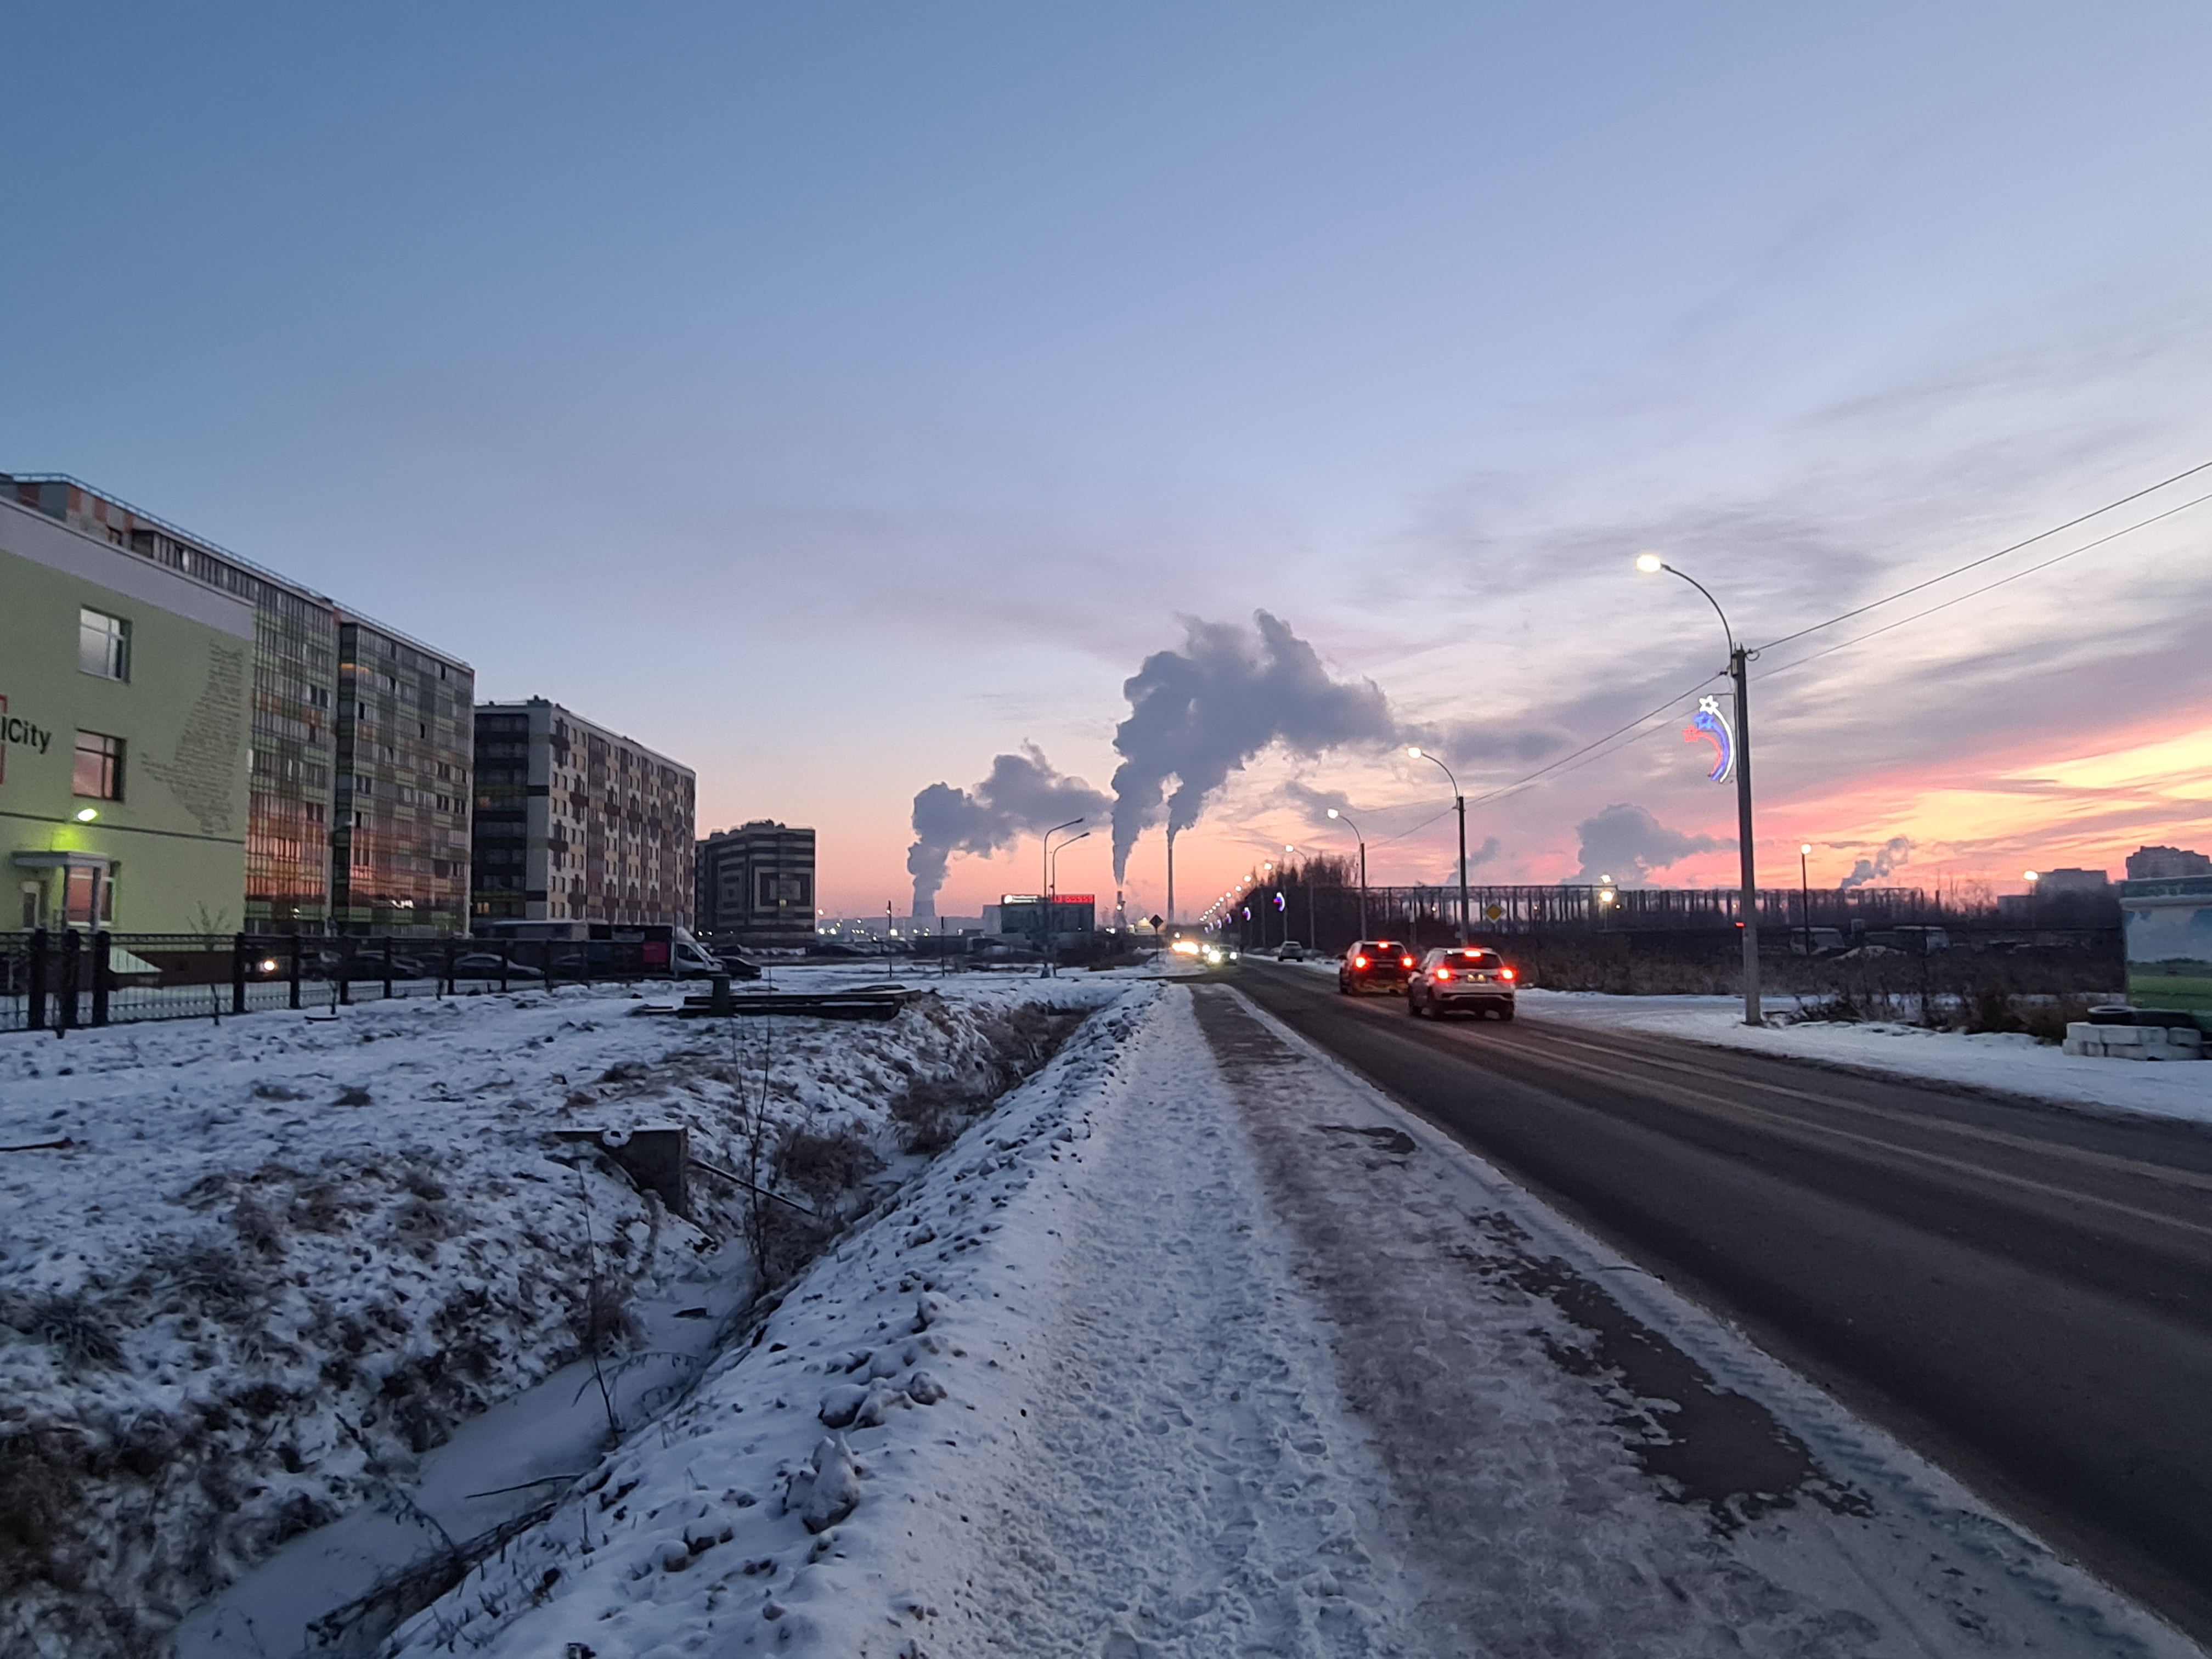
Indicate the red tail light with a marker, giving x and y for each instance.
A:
(1443, 974)
(1505, 973)
(1405, 962)
(1359, 962)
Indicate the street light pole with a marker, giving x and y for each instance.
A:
(1459, 801)
(1740, 673)
(1052, 884)
(1805, 894)
(1044, 901)
(1305, 879)
(1362, 840)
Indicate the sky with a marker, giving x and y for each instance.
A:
(838, 397)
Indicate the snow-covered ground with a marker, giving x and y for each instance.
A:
(2010, 1062)
(1197, 1347)
(280, 1259)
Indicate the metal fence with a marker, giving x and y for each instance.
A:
(1329, 917)
(60, 981)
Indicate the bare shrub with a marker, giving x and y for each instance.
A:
(1838, 1009)
(932, 1111)
(40, 1477)
(77, 1330)
(257, 1228)
(825, 1165)
(600, 1316)
(209, 1277)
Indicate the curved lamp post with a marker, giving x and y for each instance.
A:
(1740, 672)
(1362, 840)
(1459, 801)
(1044, 897)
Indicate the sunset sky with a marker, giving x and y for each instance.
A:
(835, 398)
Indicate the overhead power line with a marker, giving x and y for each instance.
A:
(1971, 564)
(1974, 594)
(1567, 762)
(1629, 733)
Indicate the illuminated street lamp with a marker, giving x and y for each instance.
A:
(1306, 875)
(1459, 801)
(1740, 758)
(1362, 840)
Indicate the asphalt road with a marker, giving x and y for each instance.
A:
(2023, 1294)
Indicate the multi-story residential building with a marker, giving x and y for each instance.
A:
(124, 690)
(757, 886)
(406, 744)
(575, 822)
(361, 740)
(294, 690)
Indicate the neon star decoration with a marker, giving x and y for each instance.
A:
(1710, 725)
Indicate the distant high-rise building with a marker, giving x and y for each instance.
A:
(406, 744)
(2070, 880)
(755, 885)
(575, 823)
(2166, 863)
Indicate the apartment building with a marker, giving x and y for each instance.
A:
(124, 704)
(304, 846)
(293, 696)
(573, 822)
(757, 886)
(406, 748)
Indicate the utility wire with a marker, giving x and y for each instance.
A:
(1584, 756)
(1860, 639)
(1566, 762)
(2041, 535)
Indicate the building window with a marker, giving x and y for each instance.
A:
(103, 645)
(99, 767)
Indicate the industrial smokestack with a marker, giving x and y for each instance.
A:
(1200, 713)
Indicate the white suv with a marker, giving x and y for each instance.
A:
(1475, 980)
(1292, 950)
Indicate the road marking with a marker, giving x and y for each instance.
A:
(1785, 1120)
(1960, 1165)
(2158, 1172)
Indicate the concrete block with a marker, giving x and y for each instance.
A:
(2159, 1042)
(656, 1156)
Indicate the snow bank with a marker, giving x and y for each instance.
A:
(815, 1491)
(279, 1260)
(2009, 1062)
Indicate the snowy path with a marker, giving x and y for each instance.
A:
(1190, 1485)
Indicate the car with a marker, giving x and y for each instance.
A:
(485, 964)
(1467, 980)
(1291, 950)
(1375, 964)
(1219, 956)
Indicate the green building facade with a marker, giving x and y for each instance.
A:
(125, 750)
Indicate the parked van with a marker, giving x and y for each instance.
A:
(661, 947)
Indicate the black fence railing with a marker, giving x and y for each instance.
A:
(1329, 917)
(62, 980)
